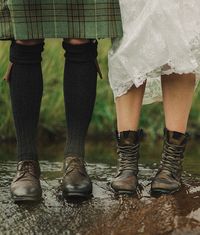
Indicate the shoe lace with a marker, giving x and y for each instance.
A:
(128, 157)
(75, 164)
(27, 167)
(172, 158)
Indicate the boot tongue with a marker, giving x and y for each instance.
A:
(176, 138)
(129, 137)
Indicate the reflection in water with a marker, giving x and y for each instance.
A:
(104, 213)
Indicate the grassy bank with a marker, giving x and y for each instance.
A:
(52, 118)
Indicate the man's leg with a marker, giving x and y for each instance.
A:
(178, 92)
(80, 78)
(26, 88)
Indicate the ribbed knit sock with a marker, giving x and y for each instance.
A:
(80, 79)
(26, 87)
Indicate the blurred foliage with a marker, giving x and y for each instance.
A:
(52, 118)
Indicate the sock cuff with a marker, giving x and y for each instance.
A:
(23, 54)
(81, 53)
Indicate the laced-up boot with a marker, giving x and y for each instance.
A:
(168, 177)
(125, 182)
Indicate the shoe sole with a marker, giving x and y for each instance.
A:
(125, 192)
(26, 199)
(76, 195)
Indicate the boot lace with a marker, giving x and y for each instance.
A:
(128, 157)
(172, 158)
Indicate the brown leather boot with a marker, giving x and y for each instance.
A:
(76, 182)
(168, 177)
(26, 184)
(125, 182)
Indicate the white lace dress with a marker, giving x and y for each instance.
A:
(160, 37)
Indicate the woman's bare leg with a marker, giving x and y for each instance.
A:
(178, 92)
(128, 109)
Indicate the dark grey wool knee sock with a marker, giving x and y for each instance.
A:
(80, 78)
(26, 88)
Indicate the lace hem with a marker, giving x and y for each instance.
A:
(153, 92)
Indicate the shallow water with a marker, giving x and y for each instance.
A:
(104, 213)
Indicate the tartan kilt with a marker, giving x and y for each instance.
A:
(36, 19)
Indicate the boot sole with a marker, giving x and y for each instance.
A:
(123, 192)
(162, 191)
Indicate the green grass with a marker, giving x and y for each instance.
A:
(52, 117)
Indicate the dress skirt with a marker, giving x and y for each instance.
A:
(160, 37)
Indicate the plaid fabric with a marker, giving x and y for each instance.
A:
(34, 19)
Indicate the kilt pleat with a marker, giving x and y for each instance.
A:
(35, 19)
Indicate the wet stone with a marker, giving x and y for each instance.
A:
(104, 213)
